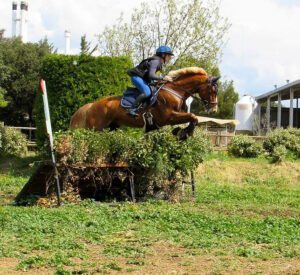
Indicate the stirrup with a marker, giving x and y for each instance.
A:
(132, 112)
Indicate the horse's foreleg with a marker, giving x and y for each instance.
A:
(180, 118)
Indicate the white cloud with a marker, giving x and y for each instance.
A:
(263, 39)
(52, 17)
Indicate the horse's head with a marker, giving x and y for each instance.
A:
(208, 92)
(195, 80)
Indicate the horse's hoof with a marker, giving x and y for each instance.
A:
(175, 131)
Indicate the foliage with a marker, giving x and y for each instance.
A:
(244, 146)
(85, 46)
(193, 29)
(279, 153)
(159, 151)
(158, 160)
(12, 141)
(73, 81)
(20, 68)
(4, 74)
(289, 138)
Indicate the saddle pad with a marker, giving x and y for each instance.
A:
(131, 94)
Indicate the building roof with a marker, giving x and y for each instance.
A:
(284, 90)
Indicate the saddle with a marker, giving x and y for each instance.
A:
(132, 93)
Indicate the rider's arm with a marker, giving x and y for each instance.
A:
(153, 64)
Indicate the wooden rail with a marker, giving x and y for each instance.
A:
(30, 143)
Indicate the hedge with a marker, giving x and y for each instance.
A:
(73, 81)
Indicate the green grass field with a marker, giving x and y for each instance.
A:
(245, 219)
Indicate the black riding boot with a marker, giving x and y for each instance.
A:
(141, 98)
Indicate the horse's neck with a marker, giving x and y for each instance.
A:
(184, 93)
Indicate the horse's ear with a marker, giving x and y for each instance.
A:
(215, 79)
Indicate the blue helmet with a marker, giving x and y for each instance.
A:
(164, 49)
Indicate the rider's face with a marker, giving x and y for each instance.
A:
(168, 57)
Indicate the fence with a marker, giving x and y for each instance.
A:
(31, 144)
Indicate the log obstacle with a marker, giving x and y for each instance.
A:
(97, 181)
(101, 182)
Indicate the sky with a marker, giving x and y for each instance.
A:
(262, 49)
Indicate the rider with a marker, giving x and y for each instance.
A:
(145, 72)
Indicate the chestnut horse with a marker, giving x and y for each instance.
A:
(108, 113)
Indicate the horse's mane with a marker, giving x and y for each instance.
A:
(186, 71)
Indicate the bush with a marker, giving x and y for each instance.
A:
(159, 150)
(12, 141)
(289, 138)
(158, 160)
(279, 153)
(73, 81)
(244, 146)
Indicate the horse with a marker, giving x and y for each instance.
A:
(186, 82)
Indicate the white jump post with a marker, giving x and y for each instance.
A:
(49, 131)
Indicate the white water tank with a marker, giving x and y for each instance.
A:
(244, 111)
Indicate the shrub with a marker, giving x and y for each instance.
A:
(289, 138)
(158, 150)
(12, 141)
(158, 160)
(244, 146)
(73, 81)
(279, 153)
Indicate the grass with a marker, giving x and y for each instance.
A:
(245, 218)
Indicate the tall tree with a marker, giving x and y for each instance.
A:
(4, 72)
(22, 63)
(85, 46)
(194, 30)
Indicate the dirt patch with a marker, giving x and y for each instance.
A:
(169, 258)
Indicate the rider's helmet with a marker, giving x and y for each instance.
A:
(164, 49)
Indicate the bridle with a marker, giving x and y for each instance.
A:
(207, 103)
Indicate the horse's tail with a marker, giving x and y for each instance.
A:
(78, 120)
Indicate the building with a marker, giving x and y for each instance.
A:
(271, 111)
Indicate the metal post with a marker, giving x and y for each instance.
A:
(297, 114)
(193, 183)
(291, 124)
(279, 111)
(131, 181)
(49, 131)
(226, 138)
(268, 113)
(259, 119)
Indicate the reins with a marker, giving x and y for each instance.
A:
(203, 101)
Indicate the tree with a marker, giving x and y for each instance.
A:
(4, 72)
(85, 46)
(194, 30)
(226, 99)
(20, 65)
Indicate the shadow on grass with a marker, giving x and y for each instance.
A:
(19, 166)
